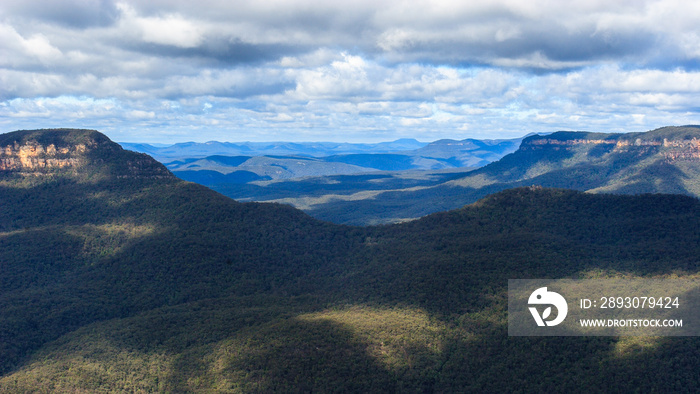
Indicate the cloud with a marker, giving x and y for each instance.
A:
(35, 49)
(238, 83)
(561, 35)
(295, 68)
(76, 14)
(170, 29)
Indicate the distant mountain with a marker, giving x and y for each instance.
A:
(118, 277)
(666, 160)
(469, 152)
(248, 162)
(437, 155)
(312, 149)
(230, 168)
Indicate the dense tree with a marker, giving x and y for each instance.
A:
(154, 284)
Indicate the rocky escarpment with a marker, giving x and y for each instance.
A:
(669, 142)
(75, 152)
(33, 156)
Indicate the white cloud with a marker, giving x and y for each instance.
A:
(444, 69)
(170, 29)
(138, 114)
(656, 81)
(19, 51)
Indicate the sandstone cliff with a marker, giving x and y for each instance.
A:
(32, 156)
(673, 147)
(70, 151)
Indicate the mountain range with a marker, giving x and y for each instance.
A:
(118, 276)
(665, 160)
(181, 150)
(218, 163)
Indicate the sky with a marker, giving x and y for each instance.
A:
(171, 71)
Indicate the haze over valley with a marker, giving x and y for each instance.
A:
(321, 196)
(119, 276)
(391, 186)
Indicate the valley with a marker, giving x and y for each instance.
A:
(658, 161)
(118, 276)
(317, 174)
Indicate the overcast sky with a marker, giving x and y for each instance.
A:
(357, 71)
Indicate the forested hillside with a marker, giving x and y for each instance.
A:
(118, 276)
(666, 160)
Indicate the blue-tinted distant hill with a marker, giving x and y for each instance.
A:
(312, 149)
(245, 162)
(115, 276)
(666, 160)
(469, 152)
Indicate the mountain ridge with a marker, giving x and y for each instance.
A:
(155, 284)
(271, 161)
(312, 149)
(663, 160)
(78, 152)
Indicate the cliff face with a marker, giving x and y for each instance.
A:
(671, 149)
(86, 152)
(33, 156)
(683, 150)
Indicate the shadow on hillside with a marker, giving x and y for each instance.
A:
(287, 356)
(270, 348)
(68, 263)
(658, 178)
(450, 265)
(255, 345)
(494, 362)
